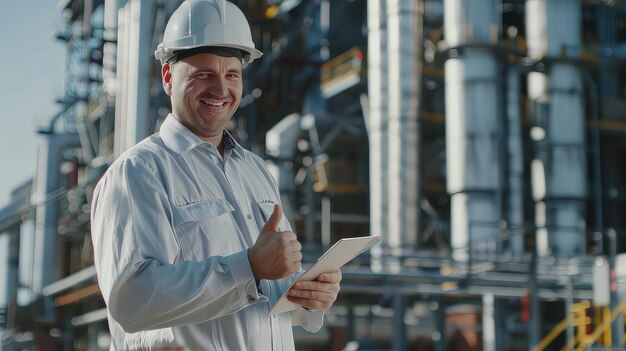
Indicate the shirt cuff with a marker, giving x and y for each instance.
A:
(239, 266)
(311, 321)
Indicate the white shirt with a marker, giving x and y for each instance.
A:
(171, 224)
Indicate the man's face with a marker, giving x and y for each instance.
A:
(205, 91)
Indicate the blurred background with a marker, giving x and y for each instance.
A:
(481, 139)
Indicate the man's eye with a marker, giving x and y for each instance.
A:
(202, 75)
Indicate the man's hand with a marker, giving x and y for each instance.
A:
(274, 255)
(318, 294)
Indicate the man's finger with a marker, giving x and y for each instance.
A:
(272, 223)
(330, 277)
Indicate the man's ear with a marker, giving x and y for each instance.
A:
(166, 75)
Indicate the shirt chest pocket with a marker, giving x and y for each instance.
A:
(265, 212)
(206, 228)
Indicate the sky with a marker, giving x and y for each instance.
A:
(33, 73)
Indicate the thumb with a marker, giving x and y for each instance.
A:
(272, 223)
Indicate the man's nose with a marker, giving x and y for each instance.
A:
(219, 86)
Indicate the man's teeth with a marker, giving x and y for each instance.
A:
(213, 103)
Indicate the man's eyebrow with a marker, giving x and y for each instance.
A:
(213, 69)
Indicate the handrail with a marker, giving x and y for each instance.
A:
(581, 321)
(606, 325)
(556, 331)
(583, 341)
(339, 59)
(577, 308)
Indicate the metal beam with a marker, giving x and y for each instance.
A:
(85, 275)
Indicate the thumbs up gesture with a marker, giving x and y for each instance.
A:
(275, 254)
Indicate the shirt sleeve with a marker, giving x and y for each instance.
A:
(143, 282)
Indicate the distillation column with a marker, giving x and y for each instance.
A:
(472, 125)
(404, 33)
(559, 176)
(394, 85)
(48, 190)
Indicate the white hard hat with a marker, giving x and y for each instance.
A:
(207, 23)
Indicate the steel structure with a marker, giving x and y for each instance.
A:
(482, 139)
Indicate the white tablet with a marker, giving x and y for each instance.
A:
(338, 255)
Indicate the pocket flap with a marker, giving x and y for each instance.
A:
(199, 211)
(267, 208)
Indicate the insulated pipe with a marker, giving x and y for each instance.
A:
(377, 123)
(139, 64)
(82, 109)
(27, 261)
(136, 56)
(50, 157)
(559, 175)
(472, 127)
(109, 48)
(404, 38)
(515, 176)
(119, 142)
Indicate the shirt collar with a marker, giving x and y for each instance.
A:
(181, 140)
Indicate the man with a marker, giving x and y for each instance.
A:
(191, 247)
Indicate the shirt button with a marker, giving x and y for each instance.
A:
(249, 217)
(251, 298)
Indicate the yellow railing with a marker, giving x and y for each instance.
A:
(562, 325)
(604, 327)
(581, 321)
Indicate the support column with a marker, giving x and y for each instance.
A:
(618, 294)
(494, 323)
(9, 258)
(534, 328)
(489, 323)
(399, 328)
(439, 312)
